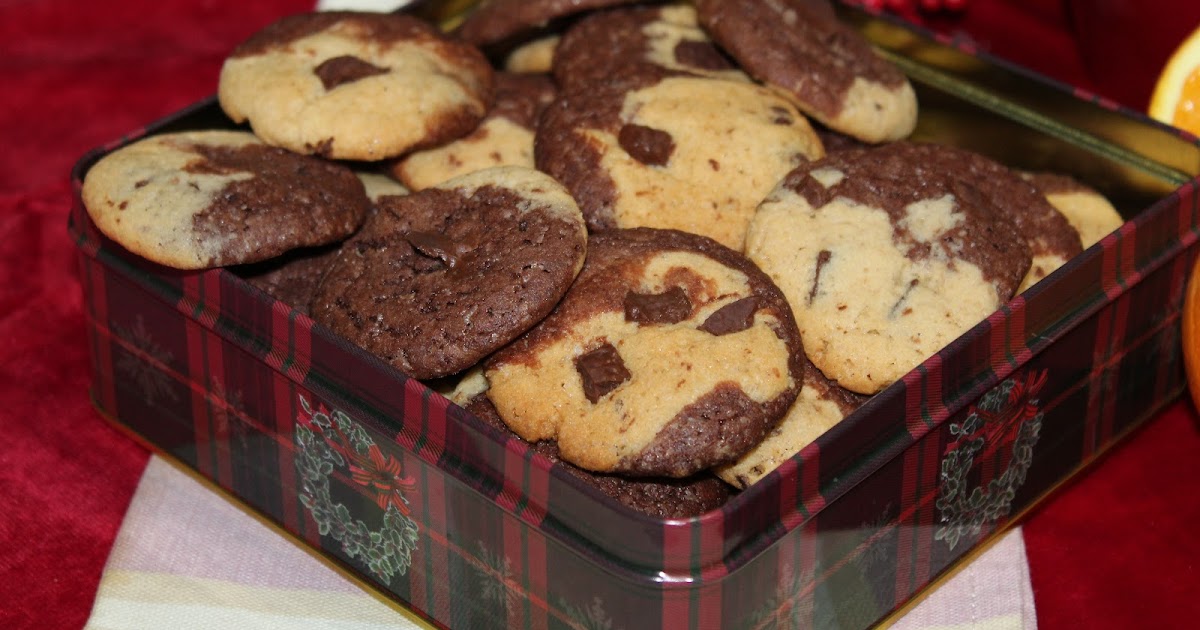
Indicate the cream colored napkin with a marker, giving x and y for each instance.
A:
(188, 559)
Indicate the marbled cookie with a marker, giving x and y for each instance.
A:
(200, 199)
(820, 405)
(1089, 212)
(657, 497)
(1051, 238)
(438, 279)
(661, 151)
(885, 255)
(829, 70)
(359, 86)
(670, 354)
(611, 43)
(504, 138)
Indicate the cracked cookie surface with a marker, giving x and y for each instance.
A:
(438, 279)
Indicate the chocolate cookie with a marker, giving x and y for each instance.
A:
(670, 354)
(294, 277)
(504, 138)
(686, 153)
(1089, 212)
(1051, 238)
(359, 86)
(438, 279)
(830, 71)
(194, 200)
(657, 497)
(617, 41)
(499, 21)
(820, 405)
(886, 255)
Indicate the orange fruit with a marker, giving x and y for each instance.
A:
(1191, 333)
(1176, 96)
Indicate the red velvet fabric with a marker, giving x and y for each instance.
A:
(1112, 550)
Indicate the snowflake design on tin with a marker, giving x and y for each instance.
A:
(589, 617)
(780, 610)
(154, 382)
(494, 578)
(1008, 414)
(225, 405)
(882, 530)
(328, 440)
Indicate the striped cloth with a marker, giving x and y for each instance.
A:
(187, 558)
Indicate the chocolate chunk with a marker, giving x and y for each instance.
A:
(822, 259)
(782, 116)
(438, 246)
(732, 317)
(668, 307)
(602, 371)
(652, 147)
(345, 69)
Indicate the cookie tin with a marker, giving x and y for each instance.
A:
(431, 507)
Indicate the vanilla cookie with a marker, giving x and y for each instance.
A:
(827, 68)
(1091, 214)
(535, 56)
(612, 43)
(504, 138)
(886, 255)
(654, 150)
(438, 279)
(194, 200)
(670, 354)
(358, 86)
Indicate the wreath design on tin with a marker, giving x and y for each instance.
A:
(1008, 414)
(327, 441)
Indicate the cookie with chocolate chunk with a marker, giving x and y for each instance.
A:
(194, 200)
(359, 86)
(657, 497)
(504, 138)
(438, 279)
(826, 67)
(651, 149)
(1091, 214)
(670, 354)
(820, 405)
(615, 42)
(502, 21)
(886, 255)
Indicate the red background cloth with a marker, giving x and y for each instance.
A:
(1113, 549)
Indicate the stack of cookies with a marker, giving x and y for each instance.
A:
(668, 244)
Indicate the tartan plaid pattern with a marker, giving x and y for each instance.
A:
(351, 456)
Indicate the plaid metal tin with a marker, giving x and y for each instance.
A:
(472, 529)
